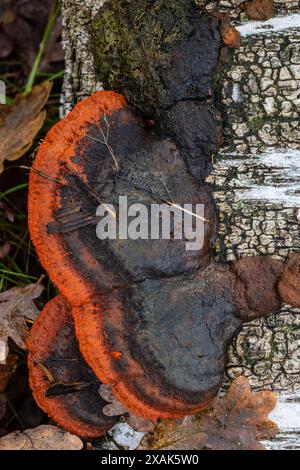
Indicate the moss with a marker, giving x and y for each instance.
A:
(257, 123)
(155, 51)
(289, 329)
(162, 54)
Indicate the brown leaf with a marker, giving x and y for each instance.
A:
(7, 370)
(115, 408)
(22, 123)
(238, 421)
(41, 438)
(140, 424)
(16, 304)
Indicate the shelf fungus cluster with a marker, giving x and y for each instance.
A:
(146, 316)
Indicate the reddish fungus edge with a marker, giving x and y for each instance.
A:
(43, 198)
(89, 331)
(40, 342)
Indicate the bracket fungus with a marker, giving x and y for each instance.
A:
(152, 319)
(62, 383)
(72, 174)
(77, 169)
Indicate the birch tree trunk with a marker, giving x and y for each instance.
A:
(256, 175)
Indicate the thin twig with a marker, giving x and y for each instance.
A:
(186, 210)
(105, 137)
(13, 309)
(40, 173)
(91, 191)
(166, 201)
(168, 191)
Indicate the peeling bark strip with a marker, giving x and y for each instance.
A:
(273, 176)
(287, 416)
(274, 25)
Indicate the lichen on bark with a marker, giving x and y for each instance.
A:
(137, 46)
(138, 50)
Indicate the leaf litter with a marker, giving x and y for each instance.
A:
(17, 305)
(22, 122)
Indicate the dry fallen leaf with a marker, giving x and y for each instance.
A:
(16, 304)
(115, 408)
(22, 123)
(41, 438)
(238, 421)
(7, 370)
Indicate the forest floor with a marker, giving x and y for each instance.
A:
(30, 54)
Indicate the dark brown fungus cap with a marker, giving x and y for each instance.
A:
(259, 9)
(289, 285)
(256, 289)
(75, 171)
(62, 383)
(163, 342)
